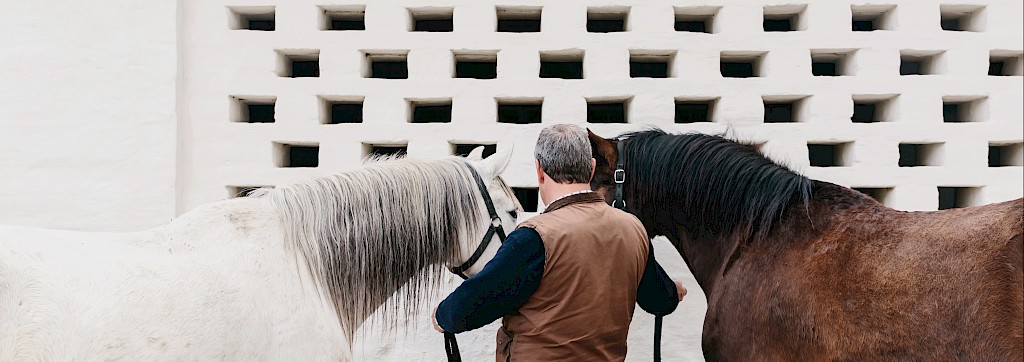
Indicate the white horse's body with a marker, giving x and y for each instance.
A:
(229, 281)
(217, 283)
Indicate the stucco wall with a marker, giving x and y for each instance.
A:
(87, 113)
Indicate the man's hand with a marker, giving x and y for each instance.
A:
(433, 318)
(680, 289)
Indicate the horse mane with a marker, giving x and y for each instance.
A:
(368, 233)
(717, 188)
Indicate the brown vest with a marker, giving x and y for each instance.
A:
(594, 256)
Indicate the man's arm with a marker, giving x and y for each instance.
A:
(657, 293)
(504, 285)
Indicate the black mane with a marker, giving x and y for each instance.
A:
(712, 186)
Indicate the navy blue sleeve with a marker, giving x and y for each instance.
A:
(657, 292)
(504, 285)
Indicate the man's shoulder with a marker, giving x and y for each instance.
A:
(582, 214)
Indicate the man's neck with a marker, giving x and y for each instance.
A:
(554, 191)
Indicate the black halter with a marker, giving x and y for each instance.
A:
(451, 345)
(494, 228)
(620, 203)
(620, 178)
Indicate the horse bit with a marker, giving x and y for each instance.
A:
(451, 346)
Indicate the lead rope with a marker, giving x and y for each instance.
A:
(657, 338)
(451, 347)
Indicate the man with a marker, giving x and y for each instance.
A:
(566, 281)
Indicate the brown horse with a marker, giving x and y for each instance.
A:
(803, 270)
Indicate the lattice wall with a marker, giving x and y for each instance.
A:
(918, 103)
(852, 93)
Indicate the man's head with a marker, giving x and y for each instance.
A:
(564, 159)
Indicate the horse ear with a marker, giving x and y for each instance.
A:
(476, 154)
(602, 149)
(496, 163)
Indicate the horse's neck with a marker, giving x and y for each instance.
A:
(707, 260)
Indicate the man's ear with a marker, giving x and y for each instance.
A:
(540, 172)
(603, 150)
(593, 168)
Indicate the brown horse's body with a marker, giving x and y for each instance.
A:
(840, 277)
(871, 283)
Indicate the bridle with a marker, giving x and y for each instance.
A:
(620, 203)
(451, 345)
(494, 228)
(620, 177)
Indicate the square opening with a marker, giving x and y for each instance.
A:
(961, 17)
(244, 191)
(880, 194)
(873, 17)
(520, 110)
(528, 197)
(340, 110)
(782, 109)
(783, 18)
(432, 19)
(830, 62)
(914, 62)
(1005, 154)
(343, 18)
(298, 63)
(260, 18)
(695, 110)
(1005, 63)
(476, 65)
(463, 149)
(388, 65)
(650, 63)
(297, 154)
(959, 109)
(952, 197)
(564, 65)
(696, 19)
(920, 154)
(430, 111)
(253, 109)
(830, 154)
(607, 110)
(385, 149)
(518, 19)
(740, 64)
(873, 108)
(607, 19)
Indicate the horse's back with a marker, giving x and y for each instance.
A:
(879, 284)
(206, 289)
(949, 284)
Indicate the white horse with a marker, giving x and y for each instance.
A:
(288, 274)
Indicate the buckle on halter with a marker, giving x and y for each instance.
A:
(623, 207)
(496, 222)
(620, 176)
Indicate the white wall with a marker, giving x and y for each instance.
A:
(117, 115)
(87, 113)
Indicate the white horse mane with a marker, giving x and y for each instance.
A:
(367, 233)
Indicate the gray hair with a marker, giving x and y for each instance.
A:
(564, 153)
